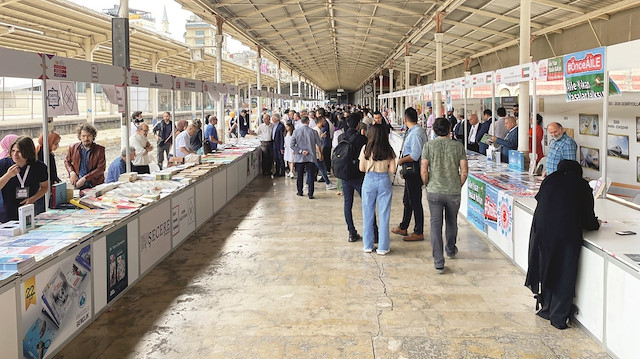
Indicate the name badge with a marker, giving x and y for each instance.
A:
(22, 192)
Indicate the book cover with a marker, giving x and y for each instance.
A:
(58, 194)
(84, 257)
(57, 296)
(26, 218)
(37, 340)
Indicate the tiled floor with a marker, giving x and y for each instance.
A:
(273, 276)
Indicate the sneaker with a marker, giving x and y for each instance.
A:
(452, 255)
(354, 237)
(290, 175)
(331, 186)
(440, 270)
(319, 179)
(382, 253)
(369, 250)
(305, 187)
(400, 231)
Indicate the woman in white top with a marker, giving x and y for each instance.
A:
(288, 152)
(377, 160)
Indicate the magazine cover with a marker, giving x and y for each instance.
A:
(38, 339)
(57, 296)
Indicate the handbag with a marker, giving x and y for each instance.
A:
(411, 169)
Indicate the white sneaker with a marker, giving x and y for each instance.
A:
(318, 178)
(290, 175)
(381, 252)
(331, 186)
(306, 187)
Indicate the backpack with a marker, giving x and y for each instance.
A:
(344, 160)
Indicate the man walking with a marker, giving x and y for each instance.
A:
(412, 200)
(278, 144)
(444, 170)
(303, 144)
(266, 144)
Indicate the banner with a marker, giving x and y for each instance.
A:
(475, 207)
(155, 235)
(62, 304)
(505, 215)
(555, 69)
(584, 75)
(117, 263)
(491, 207)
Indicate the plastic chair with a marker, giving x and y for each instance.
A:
(541, 166)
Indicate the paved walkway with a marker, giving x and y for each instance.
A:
(273, 276)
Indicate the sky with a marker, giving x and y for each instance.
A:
(176, 14)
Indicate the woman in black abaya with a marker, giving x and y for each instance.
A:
(565, 208)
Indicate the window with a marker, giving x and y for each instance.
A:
(199, 41)
(199, 32)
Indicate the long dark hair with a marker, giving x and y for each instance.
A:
(378, 144)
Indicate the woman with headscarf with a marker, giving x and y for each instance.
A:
(565, 208)
(5, 145)
(53, 143)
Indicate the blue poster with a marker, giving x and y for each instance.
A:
(491, 207)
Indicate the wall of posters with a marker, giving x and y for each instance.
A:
(117, 262)
(491, 207)
(155, 234)
(505, 215)
(61, 306)
(475, 206)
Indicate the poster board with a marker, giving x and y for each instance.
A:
(188, 85)
(56, 303)
(116, 263)
(21, 64)
(183, 216)
(219, 190)
(67, 69)
(155, 234)
(139, 78)
(204, 200)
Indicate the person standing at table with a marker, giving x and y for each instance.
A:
(24, 179)
(163, 132)
(211, 133)
(54, 141)
(564, 210)
(539, 134)
(141, 144)
(510, 142)
(85, 161)
(562, 147)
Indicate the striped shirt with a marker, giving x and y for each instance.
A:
(563, 149)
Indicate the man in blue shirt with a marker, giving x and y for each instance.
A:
(119, 166)
(415, 138)
(562, 147)
(211, 132)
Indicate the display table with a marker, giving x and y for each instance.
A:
(608, 285)
(46, 306)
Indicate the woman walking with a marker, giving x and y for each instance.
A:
(288, 152)
(377, 160)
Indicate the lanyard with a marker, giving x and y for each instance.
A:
(21, 179)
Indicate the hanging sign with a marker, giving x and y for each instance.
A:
(232, 89)
(483, 79)
(61, 98)
(514, 74)
(455, 84)
(439, 86)
(189, 85)
(584, 75)
(139, 78)
(21, 64)
(555, 69)
(212, 89)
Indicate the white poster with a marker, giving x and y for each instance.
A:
(61, 98)
(155, 234)
(55, 304)
(183, 216)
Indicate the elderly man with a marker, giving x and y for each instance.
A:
(183, 141)
(211, 132)
(119, 165)
(562, 147)
(304, 142)
(278, 144)
(474, 130)
(444, 170)
(264, 133)
(142, 146)
(85, 161)
(510, 142)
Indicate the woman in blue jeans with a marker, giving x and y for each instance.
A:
(377, 160)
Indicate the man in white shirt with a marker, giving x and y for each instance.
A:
(264, 133)
(473, 133)
(183, 141)
(142, 146)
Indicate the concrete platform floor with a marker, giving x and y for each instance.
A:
(273, 276)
